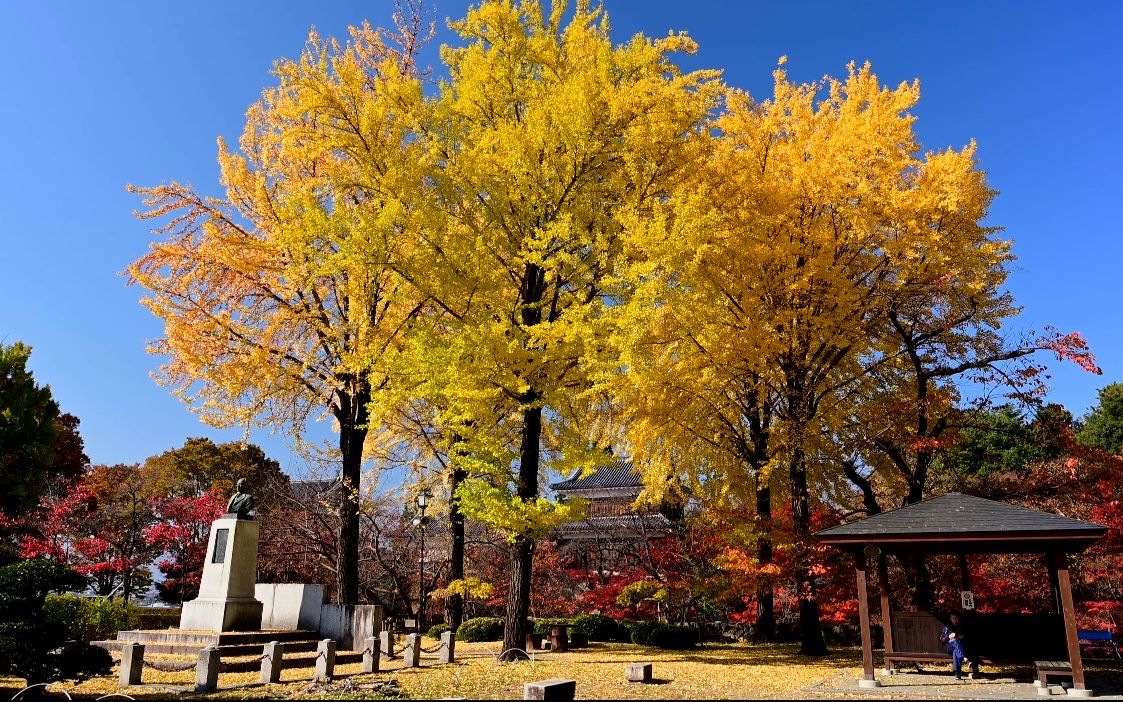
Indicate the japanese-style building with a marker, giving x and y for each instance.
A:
(963, 525)
(612, 490)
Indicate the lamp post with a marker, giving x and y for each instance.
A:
(419, 521)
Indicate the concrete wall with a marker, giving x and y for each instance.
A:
(289, 607)
(350, 625)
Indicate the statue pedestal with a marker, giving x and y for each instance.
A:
(226, 594)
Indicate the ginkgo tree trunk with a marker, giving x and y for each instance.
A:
(546, 141)
(280, 300)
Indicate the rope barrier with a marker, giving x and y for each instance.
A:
(435, 648)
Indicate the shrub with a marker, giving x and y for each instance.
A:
(37, 643)
(624, 630)
(673, 637)
(480, 629)
(87, 618)
(662, 635)
(640, 632)
(597, 627)
(436, 630)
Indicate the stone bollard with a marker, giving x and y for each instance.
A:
(412, 655)
(553, 689)
(386, 639)
(371, 655)
(638, 672)
(325, 661)
(206, 670)
(132, 663)
(448, 647)
(271, 662)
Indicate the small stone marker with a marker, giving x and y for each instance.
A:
(371, 655)
(132, 664)
(638, 672)
(553, 689)
(412, 655)
(448, 647)
(271, 661)
(325, 661)
(386, 640)
(206, 670)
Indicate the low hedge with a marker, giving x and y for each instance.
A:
(480, 629)
(154, 618)
(597, 627)
(674, 637)
(659, 635)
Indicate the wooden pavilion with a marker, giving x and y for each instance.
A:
(962, 525)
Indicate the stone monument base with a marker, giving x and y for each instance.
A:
(240, 614)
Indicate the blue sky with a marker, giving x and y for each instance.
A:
(98, 95)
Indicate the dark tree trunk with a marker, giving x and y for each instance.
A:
(919, 582)
(352, 415)
(522, 550)
(454, 604)
(765, 631)
(810, 628)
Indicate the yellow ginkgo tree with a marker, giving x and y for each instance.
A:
(545, 141)
(280, 299)
(823, 215)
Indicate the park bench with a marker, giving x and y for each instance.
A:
(1092, 638)
(1056, 669)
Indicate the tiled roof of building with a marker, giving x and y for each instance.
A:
(954, 515)
(618, 473)
(631, 524)
(303, 490)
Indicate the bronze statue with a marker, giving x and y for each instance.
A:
(242, 502)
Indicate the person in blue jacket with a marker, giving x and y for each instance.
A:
(951, 636)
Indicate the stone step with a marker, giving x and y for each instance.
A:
(210, 638)
(189, 649)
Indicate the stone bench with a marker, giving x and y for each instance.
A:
(553, 689)
(638, 672)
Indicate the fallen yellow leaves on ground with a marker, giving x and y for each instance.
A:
(717, 671)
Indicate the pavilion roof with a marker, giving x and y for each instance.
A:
(955, 522)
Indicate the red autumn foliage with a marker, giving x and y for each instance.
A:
(181, 531)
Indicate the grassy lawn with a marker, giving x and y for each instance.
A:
(717, 671)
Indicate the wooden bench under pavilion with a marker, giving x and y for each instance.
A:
(963, 525)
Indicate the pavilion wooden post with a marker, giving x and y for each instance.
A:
(868, 678)
(1054, 586)
(964, 573)
(1059, 563)
(886, 614)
